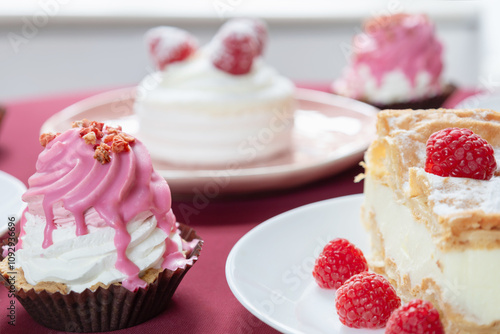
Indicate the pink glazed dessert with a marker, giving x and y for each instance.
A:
(396, 62)
(98, 233)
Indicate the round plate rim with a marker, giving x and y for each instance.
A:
(184, 181)
(255, 231)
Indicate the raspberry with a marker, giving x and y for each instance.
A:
(460, 153)
(168, 45)
(260, 30)
(416, 317)
(338, 261)
(235, 47)
(366, 300)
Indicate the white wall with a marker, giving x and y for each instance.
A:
(65, 52)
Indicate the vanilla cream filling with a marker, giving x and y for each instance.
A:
(468, 279)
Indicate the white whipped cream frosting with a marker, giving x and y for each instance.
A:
(193, 113)
(82, 261)
(196, 81)
(394, 87)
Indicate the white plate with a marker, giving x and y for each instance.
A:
(269, 270)
(331, 134)
(11, 204)
(486, 100)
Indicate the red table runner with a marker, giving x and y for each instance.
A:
(203, 302)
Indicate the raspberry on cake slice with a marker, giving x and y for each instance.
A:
(432, 211)
(459, 153)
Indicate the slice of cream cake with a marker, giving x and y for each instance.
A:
(435, 238)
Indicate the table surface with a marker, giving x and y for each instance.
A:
(203, 303)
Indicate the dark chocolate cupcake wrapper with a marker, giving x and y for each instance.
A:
(106, 309)
(433, 102)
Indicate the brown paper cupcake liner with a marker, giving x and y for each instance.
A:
(106, 309)
(433, 102)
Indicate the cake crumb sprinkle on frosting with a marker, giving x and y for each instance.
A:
(113, 139)
(47, 137)
(105, 140)
(102, 153)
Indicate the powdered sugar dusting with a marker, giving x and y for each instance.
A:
(175, 35)
(454, 194)
(414, 154)
(421, 152)
(240, 28)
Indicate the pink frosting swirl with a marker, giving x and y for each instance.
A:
(405, 42)
(71, 187)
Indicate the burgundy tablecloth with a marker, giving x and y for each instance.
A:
(203, 302)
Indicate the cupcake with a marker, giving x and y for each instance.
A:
(396, 63)
(99, 248)
(215, 105)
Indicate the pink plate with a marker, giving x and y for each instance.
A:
(331, 133)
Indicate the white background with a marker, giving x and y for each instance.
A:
(57, 46)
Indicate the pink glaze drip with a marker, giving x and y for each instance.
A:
(174, 259)
(405, 42)
(22, 221)
(118, 191)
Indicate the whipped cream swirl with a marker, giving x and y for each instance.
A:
(196, 82)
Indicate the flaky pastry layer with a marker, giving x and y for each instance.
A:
(397, 157)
